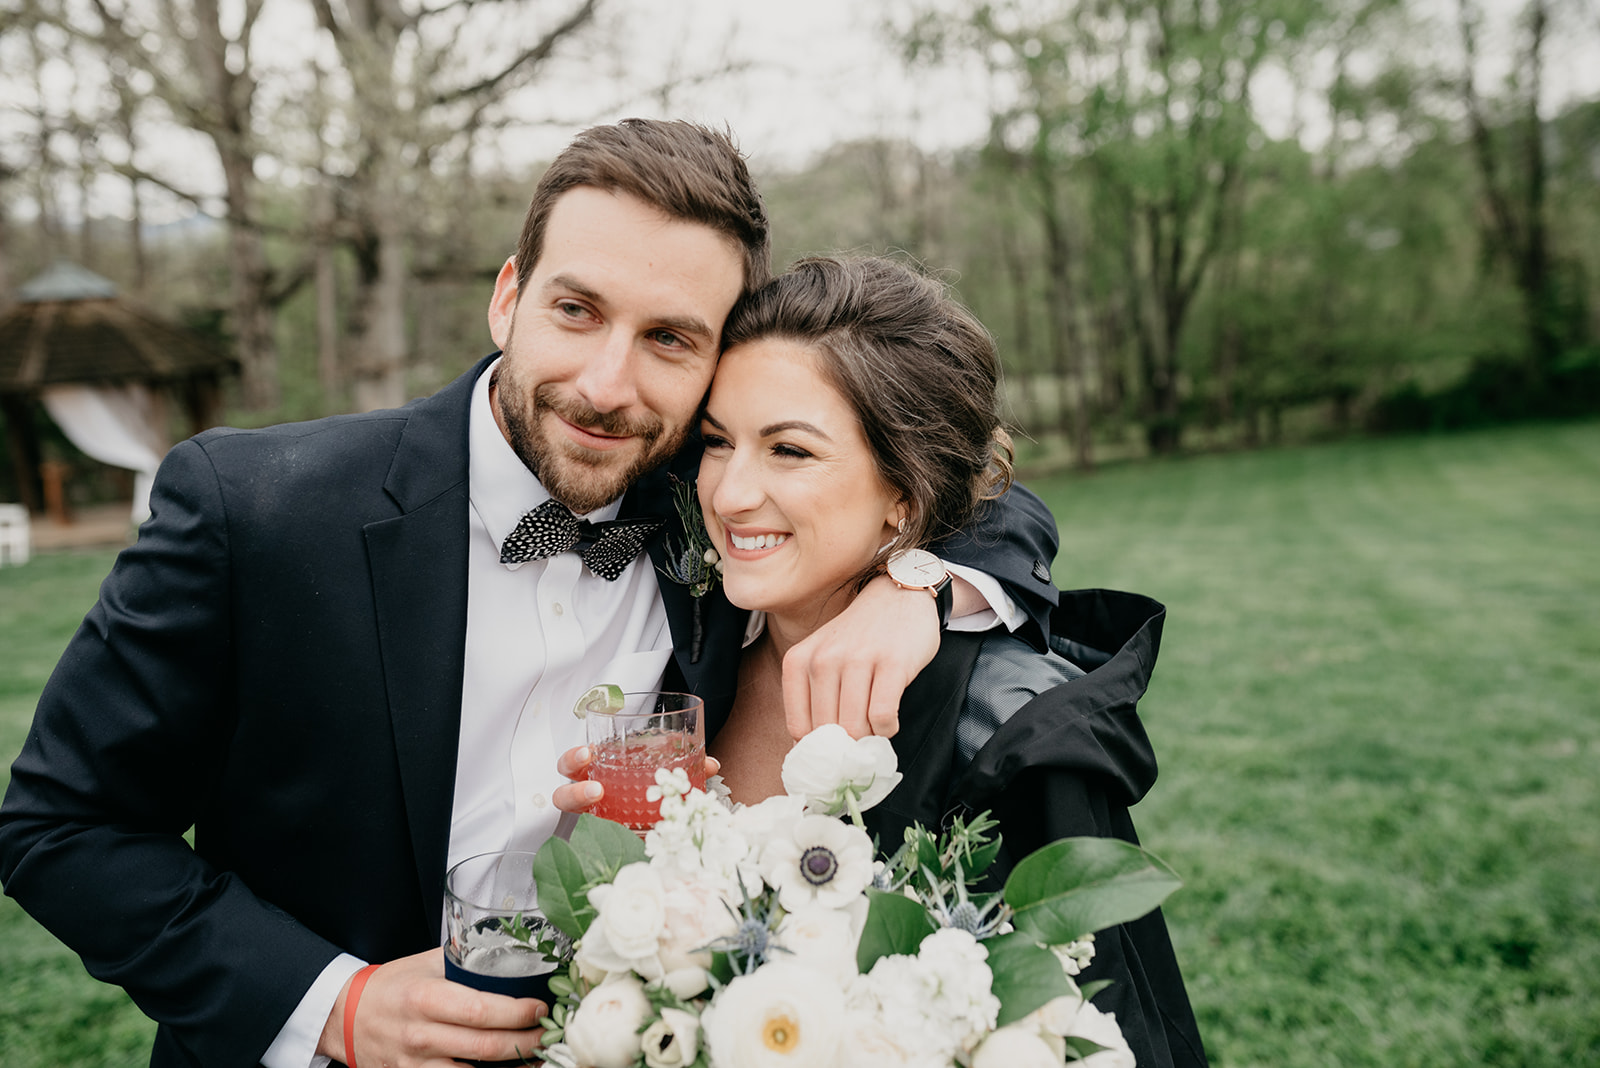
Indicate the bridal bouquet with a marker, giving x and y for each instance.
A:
(766, 935)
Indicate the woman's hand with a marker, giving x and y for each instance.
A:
(581, 795)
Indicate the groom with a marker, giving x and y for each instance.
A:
(342, 652)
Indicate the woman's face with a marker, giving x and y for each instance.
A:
(791, 494)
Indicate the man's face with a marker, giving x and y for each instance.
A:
(611, 343)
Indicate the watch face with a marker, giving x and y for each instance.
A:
(916, 567)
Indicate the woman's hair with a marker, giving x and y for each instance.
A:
(918, 369)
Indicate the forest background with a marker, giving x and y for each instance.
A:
(1190, 224)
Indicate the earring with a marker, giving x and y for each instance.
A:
(902, 526)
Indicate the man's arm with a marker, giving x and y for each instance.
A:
(128, 740)
(853, 670)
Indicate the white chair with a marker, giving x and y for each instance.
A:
(15, 535)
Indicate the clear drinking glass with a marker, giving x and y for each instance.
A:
(652, 730)
(489, 900)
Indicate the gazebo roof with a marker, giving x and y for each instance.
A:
(70, 326)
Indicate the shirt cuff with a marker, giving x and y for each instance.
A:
(1001, 608)
(296, 1044)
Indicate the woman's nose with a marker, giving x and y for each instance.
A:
(738, 489)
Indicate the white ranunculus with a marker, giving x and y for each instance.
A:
(827, 762)
(822, 938)
(782, 1014)
(626, 932)
(820, 860)
(1015, 1047)
(604, 1031)
(1102, 1029)
(673, 1041)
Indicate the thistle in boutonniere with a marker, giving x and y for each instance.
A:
(692, 561)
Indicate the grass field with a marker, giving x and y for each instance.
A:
(1378, 715)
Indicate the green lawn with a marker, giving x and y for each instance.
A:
(1378, 715)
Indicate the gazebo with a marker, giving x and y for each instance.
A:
(103, 368)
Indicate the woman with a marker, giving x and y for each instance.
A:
(853, 416)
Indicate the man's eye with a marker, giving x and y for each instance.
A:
(669, 339)
(572, 310)
(715, 441)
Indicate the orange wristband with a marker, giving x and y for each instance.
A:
(351, 1000)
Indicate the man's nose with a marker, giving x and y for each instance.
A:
(608, 380)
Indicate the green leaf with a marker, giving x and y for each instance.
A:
(1076, 886)
(558, 872)
(1084, 1047)
(895, 925)
(1089, 990)
(604, 847)
(980, 860)
(1026, 975)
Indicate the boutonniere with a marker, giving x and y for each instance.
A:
(692, 560)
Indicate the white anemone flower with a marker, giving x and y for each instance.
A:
(820, 861)
(672, 1041)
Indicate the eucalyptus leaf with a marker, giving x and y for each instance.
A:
(895, 925)
(1075, 886)
(1026, 976)
(558, 872)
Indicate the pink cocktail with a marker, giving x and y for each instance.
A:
(652, 731)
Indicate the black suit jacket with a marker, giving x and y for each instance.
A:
(277, 664)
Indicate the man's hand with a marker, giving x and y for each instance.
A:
(854, 668)
(411, 1015)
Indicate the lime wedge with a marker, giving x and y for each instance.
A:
(602, 698)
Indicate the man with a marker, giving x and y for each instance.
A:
(342, 652)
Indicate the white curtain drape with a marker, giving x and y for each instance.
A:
(123, 426)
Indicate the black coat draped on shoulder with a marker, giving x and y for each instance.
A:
(1069, 762)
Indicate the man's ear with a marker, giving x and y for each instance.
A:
(503, 305)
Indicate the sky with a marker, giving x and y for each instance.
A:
(816, 73)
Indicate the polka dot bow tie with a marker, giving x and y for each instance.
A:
(551, 528)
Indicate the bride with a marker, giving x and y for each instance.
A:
(852, 424)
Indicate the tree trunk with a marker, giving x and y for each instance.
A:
(379, 373)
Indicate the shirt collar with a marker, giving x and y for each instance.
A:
(501, 487)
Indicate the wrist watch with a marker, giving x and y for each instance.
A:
(918, 569)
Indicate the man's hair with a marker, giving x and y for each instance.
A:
(686, 171)
(918, 369)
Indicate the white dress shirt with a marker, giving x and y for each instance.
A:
(538, 635)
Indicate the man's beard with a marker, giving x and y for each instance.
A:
(579, 484)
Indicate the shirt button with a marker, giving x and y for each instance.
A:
(539, 801)
(555, 607)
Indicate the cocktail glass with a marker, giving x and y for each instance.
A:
(492, 925)
(652, 730)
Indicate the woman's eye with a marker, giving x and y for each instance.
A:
(714, 441)
(792, 451)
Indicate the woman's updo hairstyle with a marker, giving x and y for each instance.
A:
(920, 372)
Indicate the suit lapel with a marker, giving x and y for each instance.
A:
(419, 582)
(713, 674)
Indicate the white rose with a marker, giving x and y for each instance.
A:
(1014, 1047)
(673, 1041)
(695, 916)
(1101, 1028)
(826, 762)
(604, 1031)
(781, 1014)
(626, 932)
(823, 938)
(820, 860)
